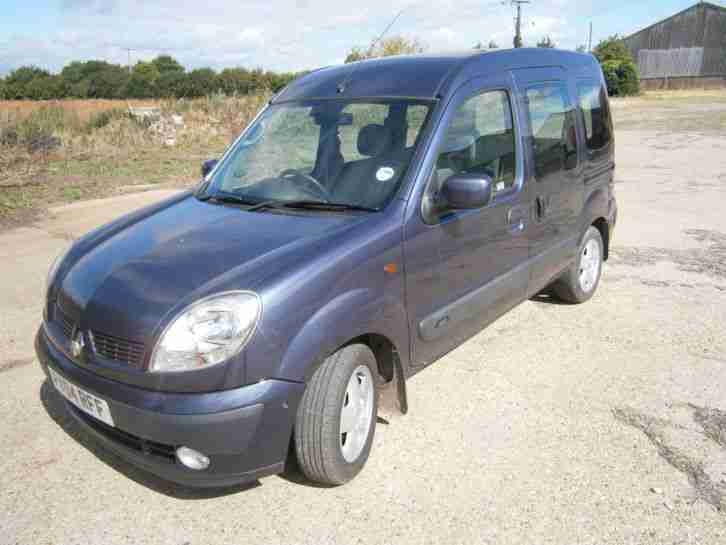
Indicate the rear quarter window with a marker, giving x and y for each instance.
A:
(552, 119)
(595, 114)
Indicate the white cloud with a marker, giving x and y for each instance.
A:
(275, 34)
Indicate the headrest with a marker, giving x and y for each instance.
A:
(373, 140)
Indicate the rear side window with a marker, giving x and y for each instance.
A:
(554, 137)
(480, 140)
(595, 114)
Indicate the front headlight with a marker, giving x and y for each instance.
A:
(207, 332)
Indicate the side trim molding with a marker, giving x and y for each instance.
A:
(486, 299)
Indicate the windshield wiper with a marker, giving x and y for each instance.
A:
(255, 205)
(234, 199)
(321, 205)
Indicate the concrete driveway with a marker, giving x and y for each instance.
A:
(559, 424)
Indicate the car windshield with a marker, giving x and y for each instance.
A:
(346, 152)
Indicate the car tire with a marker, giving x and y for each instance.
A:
(579, 283)
(336, 419)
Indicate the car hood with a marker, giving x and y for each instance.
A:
(125, 284)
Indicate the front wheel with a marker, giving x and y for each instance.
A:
(336, 419)
(580, 281)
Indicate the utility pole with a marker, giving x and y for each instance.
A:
(128, 51)
(589, 40)
(518, 42)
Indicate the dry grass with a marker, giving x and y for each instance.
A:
(60, 151)
(83, 109)
(691, 110)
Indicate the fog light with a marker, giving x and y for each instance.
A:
(192, 459)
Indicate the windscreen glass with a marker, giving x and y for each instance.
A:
(333, 151)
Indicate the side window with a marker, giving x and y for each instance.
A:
(596, 117)
(480, 140)
(554, 136)
(363, 114)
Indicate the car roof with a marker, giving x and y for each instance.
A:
(427, 76)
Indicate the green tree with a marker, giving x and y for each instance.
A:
(198, 83)
(21, 83)
(546, 43)
(169, 84)
(73, 73)
(234, 81)
(491, 45)
(108, 81)
(162, 77)
(612, 49)
(395, 45)
(619, 68)
(276, 81)
(142, 83)
(94, 79)
(166, 63)
(581, 48)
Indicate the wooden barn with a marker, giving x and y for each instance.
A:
(687, 50)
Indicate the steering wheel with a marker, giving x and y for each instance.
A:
(320, 190)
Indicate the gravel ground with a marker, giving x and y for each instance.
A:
(601, 423)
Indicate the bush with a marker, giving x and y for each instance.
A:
(101, 119)
(621, 77)
(618, 66)
(41, 123)
(9, 136)
(39, 131)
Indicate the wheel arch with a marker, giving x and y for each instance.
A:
(602, 225)
(595, 213)
(354, 317)
(388, 362)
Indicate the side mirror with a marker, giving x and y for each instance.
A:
(208, 166)
(466, 191)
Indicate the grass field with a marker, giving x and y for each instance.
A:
(60, 151)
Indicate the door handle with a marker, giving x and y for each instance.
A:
(541, 205)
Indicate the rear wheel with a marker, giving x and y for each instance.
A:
(336, 419)
(580, 281)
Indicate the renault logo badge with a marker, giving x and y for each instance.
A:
(77, 345)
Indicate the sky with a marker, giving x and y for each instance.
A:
(287, 35)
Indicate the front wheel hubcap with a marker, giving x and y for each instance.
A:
(356, 414)
(589, 265)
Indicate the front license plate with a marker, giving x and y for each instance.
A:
(88, 403)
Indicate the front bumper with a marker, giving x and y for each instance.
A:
(245, 432)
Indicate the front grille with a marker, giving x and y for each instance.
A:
(121, 350)
(144, 446)
(66, 323)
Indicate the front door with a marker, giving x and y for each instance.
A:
(464, 268)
